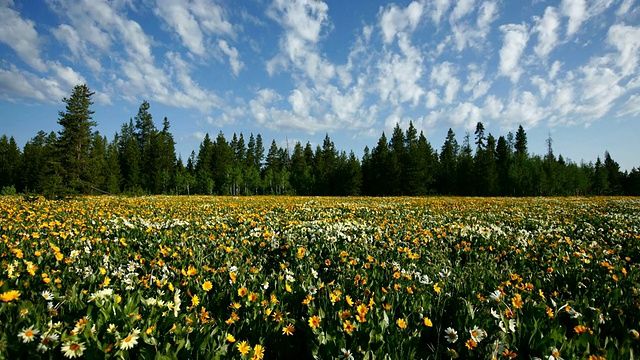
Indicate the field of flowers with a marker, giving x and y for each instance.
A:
(291, 277)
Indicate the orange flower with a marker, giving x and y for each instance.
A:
(401, 323)
(314, 322)
(10, 295)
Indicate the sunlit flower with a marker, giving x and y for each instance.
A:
(427, 322)
(288, 330)
(348, 327)
(477, 334)
(47, 295)
(346, 354)
(10, 295)
(28, 334)
(451, 335)
(471, 344)
(258, 352)
(73, 349)
(243, 347)
(206, 286)
(401, 323)
(516, 301)
(230, 338)
(130, 341)
(314, 322)
(195, 300)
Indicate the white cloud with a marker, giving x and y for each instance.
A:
(476, 83)
(212, 17)
(303, 22)
(394, 19)
(631, 107)
(232, 53)
(437, 9)
(462, 9)
(21, 35)
(515, 41)
(176, 13)
(563, 99)
(547, 32)
(555, 68)
(16, 83)
(399, 74)
(487, 15)
(576, 11)
(624, 7)
(627, 40)
(523, 108)
(600, 88)
(443, 75)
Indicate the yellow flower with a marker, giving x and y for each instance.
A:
(243, 347)
(517, 301)
(195, 300)
(207, 286)
(10, 295)
(258, 352)
(314, 322)
(288, 330)
(243, 291)
(401, 323)
(349, 300)
(427, 322)
(471, 344)
(301, 252)
(436, 288)
(348, 327)
(230, 338)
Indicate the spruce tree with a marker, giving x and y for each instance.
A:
(75, 139)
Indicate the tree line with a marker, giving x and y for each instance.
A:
(141, 159)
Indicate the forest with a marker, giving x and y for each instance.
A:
(141, 160)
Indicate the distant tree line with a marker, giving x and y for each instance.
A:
(141, 159)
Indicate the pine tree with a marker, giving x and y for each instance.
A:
(10, 162)
(448, 160)
(75, 139)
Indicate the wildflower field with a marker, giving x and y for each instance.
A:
(292, 277)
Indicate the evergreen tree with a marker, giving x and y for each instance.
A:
(503, 163)
(448, 162)
(382, 168)
(113, 176)
(204, 178)
(35, 162)
(146, 133)
(614, 176)
(97, 172)
(129, 157)
(75, 139)
(397, 161)
(464, 168)
(164, 159)
(10, 162)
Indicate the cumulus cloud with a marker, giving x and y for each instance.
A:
(437, 9)
(576, 11)
(20, 35)
(462, 9)
(626, 39)
(399, 74)
(515, 41)
(546, 27)
(395, 19)
(233, 55)
(177, 14)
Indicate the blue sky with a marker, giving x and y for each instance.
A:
(297, 70)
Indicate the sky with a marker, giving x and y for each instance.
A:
(297, 70)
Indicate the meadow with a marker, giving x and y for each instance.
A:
(296, 277)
